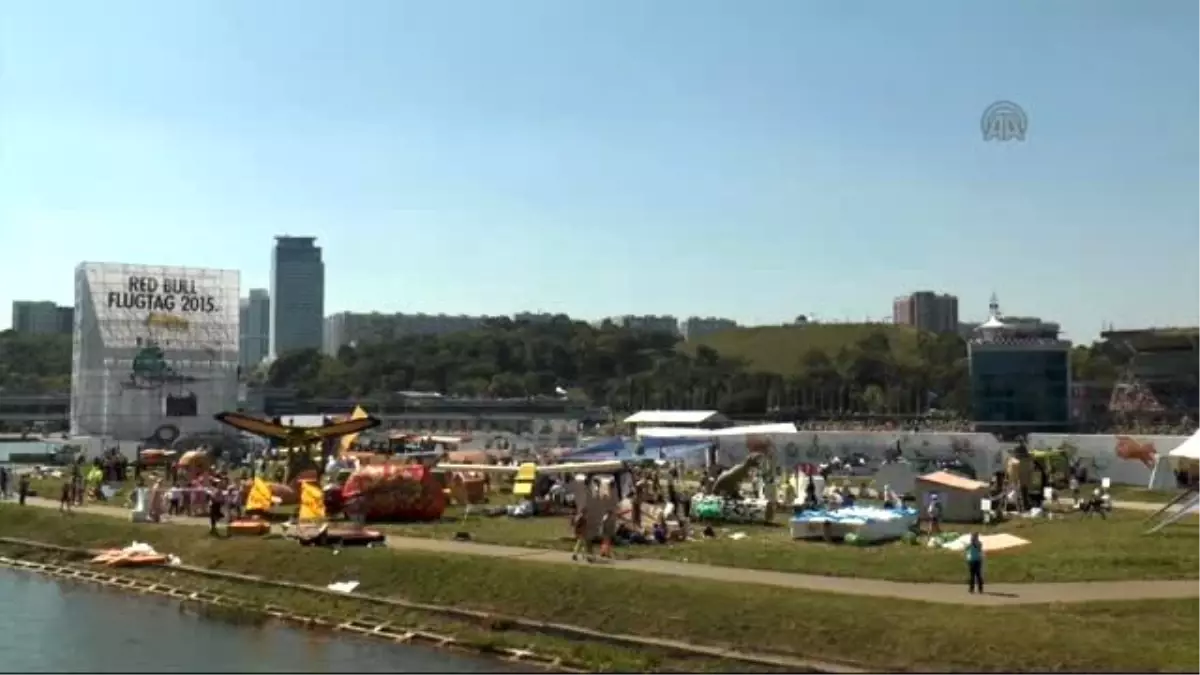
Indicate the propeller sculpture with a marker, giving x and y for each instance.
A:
(294, 438)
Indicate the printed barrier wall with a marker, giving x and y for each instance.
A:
(1127, 460)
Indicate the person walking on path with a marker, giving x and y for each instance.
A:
(975, 564)
(22, 488)
(3, 482)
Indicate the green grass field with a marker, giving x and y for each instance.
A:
(1072, 548)
(1150, 636)
(778, 349)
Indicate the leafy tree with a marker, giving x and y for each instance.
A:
(34, 364)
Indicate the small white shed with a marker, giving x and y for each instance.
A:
(961, 497)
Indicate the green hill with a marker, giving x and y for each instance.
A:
(779, 349)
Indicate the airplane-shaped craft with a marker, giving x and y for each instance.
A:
(294, 436)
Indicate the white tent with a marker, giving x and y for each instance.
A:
(689, 432)
(1163, 475)
(1189, 449)
(1185, 457)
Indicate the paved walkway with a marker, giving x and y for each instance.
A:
(1141, 506)
(998, 594)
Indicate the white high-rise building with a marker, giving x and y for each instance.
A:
(255, 328)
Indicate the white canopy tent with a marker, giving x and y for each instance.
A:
(1163, 475)
(1185, 457)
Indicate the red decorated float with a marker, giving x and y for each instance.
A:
(402, 492)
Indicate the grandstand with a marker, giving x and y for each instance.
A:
(1159, 381)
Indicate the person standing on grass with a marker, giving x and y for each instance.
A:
(933, 515)
(606, 535)
(583, 543)
(214, 511)
(22, 488)
(66, 498)
(975, 564)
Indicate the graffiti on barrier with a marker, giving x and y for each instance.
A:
(1127, 460)
(1130, 449)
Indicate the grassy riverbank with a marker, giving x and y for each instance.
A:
(1070, 548)
(878, 633)
(1066, 549)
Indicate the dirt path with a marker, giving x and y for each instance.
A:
(998, 594)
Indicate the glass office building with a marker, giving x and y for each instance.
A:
(1020, 376)
(297, 297)
(1021, 387)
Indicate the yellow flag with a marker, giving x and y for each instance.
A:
(312, 502)
(346, 442)
(259, 498)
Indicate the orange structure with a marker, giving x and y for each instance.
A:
(408, 492)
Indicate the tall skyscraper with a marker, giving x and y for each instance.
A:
(41, 317)
(927, 310)
(254, 339)
(297, 295)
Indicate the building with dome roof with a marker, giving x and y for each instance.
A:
(1020, 374)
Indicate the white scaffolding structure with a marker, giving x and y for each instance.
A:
(155, 351)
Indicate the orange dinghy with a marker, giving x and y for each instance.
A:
(249, 527)
(138, 560)
(119, 558)
(258, 500)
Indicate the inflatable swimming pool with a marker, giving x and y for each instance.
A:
(867, 523)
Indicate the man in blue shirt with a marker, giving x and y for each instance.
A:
(975, 563)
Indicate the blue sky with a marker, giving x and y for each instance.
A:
(755, 160)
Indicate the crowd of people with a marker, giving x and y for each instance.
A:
(914, 424)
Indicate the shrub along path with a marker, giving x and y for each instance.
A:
(998, 594)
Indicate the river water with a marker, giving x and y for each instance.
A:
(57, 626)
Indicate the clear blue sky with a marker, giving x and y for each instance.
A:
(754, 159)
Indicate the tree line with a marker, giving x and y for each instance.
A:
(606, 364)
(630, 369)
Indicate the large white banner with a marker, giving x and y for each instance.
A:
(156, 350)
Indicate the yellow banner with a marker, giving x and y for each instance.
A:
(312, 502)
(259, 498)
(346, 442)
